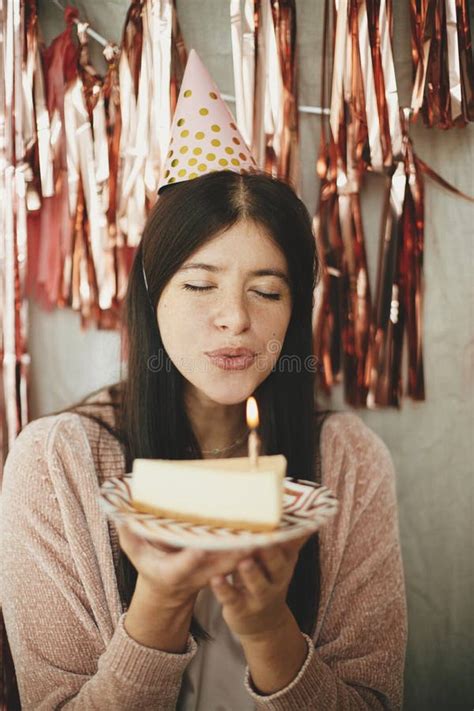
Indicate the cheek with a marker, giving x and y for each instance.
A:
(179, 323)
(169, 322)
(275, 334)
(279, 324)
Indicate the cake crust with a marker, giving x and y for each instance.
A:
(159, 512)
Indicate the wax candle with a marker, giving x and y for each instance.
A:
(253, 441)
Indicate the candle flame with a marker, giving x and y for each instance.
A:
(252, 413)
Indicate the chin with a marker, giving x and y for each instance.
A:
(228, 393)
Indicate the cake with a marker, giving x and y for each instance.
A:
(216, 492)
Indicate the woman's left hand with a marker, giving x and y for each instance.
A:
(256, 601)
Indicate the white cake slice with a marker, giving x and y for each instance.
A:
(217, 492)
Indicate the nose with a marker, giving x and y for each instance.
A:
(232, 313)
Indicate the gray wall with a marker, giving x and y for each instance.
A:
(431, 442)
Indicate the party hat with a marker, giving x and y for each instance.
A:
(204, 134)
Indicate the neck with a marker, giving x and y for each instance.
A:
(216, 426)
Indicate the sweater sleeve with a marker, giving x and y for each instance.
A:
(58, 590)
(357, 657)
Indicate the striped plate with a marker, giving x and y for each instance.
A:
(306, 508)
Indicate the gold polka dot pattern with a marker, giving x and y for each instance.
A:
(204, 134)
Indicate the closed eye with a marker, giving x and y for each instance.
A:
(265, 295)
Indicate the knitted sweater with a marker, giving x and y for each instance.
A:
(62, 608)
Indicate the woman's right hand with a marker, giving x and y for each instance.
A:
(173, 575)
(168, 582)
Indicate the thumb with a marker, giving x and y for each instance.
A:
(128, 539)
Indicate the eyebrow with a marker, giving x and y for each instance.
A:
(257, 272)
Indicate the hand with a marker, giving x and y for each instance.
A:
(256, 601)
(171, 575)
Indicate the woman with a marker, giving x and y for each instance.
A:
(226, 261)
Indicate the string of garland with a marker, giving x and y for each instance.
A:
(265, 78)
(359, 336)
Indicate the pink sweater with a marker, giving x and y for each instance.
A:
(63, 613)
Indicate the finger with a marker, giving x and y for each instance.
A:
(222, 564)
(197, 567)
(224, 592)
(293, 547)
(164, 547)
(253, 577)
(187, 562)
(275, 562)
(133, 539)
(237, 581)
(128, 539)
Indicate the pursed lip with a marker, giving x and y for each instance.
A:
(235, 352)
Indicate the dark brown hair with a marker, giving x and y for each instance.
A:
(152, 420)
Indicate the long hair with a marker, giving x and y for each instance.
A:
(153, 422)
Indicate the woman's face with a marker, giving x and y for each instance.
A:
(232, 293)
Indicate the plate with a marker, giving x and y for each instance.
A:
(306, 508)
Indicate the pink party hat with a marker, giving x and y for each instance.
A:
(204, 134)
